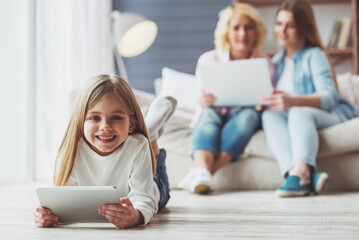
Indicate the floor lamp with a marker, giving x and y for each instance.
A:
(132, 34)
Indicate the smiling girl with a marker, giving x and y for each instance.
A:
(107, 144)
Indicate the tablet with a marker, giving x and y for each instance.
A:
(78, 203)
(237, 82)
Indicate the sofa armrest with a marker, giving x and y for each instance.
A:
(143, 98)
(339, 139)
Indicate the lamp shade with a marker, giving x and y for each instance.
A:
(132, 33)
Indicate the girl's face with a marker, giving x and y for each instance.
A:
(242, 34)
(285, 29)
(107, 125)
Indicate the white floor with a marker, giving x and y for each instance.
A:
(230, 215)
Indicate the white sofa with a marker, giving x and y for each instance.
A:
(256, 168)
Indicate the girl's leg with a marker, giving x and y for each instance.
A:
(235, 135)
(160, 177)
(159, 112)
(278, 139)
(303, 124)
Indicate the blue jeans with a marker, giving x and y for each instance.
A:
(292, 135)
(230, 134)
(161, 179)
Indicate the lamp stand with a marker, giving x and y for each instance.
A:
(119, 63)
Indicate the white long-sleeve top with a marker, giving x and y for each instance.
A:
(129, 168)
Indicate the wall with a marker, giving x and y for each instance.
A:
(186, 31)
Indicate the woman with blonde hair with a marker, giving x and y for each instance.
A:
(304, 100)
(221, 133)
(107, 144)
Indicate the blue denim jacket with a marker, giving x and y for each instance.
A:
(312, 75)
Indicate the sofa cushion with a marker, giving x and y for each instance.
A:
(257, 169)
(335, 140)
(348, 85)
(339, 139)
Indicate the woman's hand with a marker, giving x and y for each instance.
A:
(206, 99)
(259, 108)
(122, 215)
(44, 218)
(278, 101)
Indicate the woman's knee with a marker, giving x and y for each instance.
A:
(247, 118)
(269, 116)
(209, 113)
(209, 116)
(208, 126)
(252, 116)
(296, 113)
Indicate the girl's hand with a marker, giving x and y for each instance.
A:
(122, 215)
(206, 99)
(44, 218)
(278, 101)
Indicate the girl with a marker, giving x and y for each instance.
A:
(304, 100)
(106, 143)
(221, 134)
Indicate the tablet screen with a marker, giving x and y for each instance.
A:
(237, 82)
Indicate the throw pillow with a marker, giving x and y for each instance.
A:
(181, 86)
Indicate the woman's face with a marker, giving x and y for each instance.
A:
(242, 34)
(285, 29)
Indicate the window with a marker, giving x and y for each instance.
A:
(15, 98)
(46, 60)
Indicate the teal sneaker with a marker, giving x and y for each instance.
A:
(319, 181)
(293, 188)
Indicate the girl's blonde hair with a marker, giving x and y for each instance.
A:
(91, 93)
(307, 28)
(221, 33)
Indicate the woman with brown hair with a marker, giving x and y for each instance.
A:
(304, 100)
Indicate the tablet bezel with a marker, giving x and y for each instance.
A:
(75, 204)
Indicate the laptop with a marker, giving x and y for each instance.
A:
(237, 82)
(78, 203)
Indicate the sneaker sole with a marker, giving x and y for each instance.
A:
(321, 183)
(202, 188)
(282, 193)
